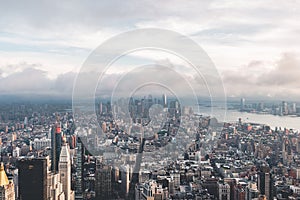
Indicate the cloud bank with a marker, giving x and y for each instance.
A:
(261, 79)
(278, 80)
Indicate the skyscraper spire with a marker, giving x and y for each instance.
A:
(3, 178)
(7, 191)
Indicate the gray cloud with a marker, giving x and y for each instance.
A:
(64, 82)
(22, 82)
(285, 74)
(281, 81)
(36, 82)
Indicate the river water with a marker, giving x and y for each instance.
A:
(234, 115)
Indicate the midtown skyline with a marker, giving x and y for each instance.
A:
(251, 43)
(136, 100)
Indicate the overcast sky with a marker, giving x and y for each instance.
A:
(254, 45)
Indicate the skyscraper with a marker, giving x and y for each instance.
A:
(264, 182)
(285, 109)
(100, 108)
(103, 181)
(7, 191)
(32, 178)
(164, 101)
(56, 139)
(79, 172)
(125, 180)
(64, 168)
(242, 104)
(54, 187)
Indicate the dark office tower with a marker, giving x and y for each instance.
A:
(32, 178)
(56, 139)
(103, 181)
(53, 151)
(264, 181)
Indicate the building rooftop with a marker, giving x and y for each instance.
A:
(3, 177)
